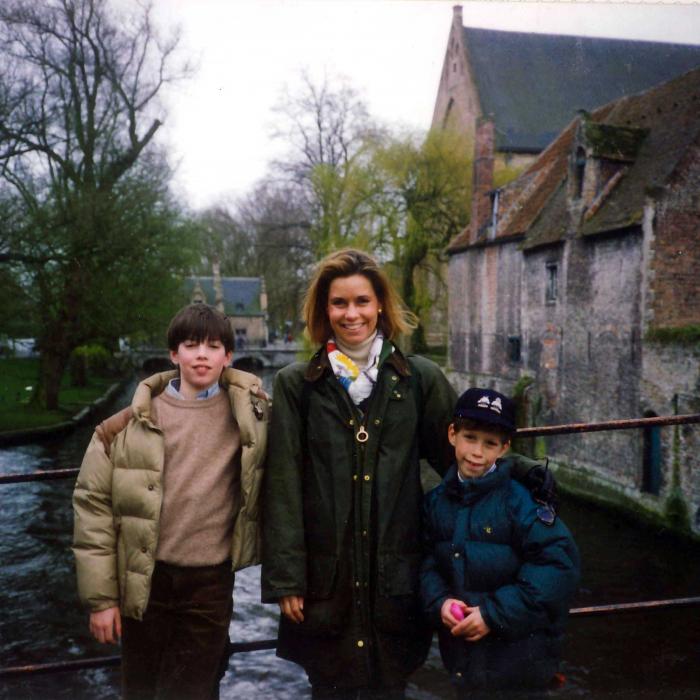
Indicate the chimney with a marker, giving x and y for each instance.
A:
(482, 181)
(457, 16)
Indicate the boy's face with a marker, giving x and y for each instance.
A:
(200, 364)
(476, 450)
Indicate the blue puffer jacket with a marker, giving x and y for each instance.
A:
(485, 545)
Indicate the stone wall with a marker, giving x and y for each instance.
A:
(484, 312)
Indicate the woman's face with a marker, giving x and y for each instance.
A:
(353, 309)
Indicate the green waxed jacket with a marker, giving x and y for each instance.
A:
(342, 516)
(118, 495)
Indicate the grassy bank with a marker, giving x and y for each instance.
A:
(16, 374)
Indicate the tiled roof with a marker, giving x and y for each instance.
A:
(535, 204)
(533, 84)
(241, 294)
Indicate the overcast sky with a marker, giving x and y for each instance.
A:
(391, 51)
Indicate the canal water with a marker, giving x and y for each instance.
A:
(635, 655)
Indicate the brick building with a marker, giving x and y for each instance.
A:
(582, 277)
(530, 86)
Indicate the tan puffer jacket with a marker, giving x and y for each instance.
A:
(118, 494)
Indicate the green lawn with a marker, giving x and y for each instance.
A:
(16, 374)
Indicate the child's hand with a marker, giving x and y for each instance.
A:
(106, 625)
(448, 618)
(292, 607)
(473, 627)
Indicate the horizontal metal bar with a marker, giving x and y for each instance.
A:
(38, 476)
(625, 424)
(634, 607)
(110, 661)
(264, 644)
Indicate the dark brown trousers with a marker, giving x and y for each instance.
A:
(177, 652)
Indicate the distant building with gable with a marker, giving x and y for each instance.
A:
(242, 299)
(577, 285)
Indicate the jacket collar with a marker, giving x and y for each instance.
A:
(233, 380)
(471, 489)
(319, 364)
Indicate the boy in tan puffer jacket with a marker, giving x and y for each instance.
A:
(166, 509)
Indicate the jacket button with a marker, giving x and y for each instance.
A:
(456, 555)
(458, 674)
(354, 477)
(360, 643)
(364, 533)
(367, 477)
(351, 421)
(377, 421)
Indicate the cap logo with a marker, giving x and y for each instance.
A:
(495, 405)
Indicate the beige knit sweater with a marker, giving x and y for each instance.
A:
(201, 479)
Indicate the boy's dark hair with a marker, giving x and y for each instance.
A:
(200, 322)
(504, 434)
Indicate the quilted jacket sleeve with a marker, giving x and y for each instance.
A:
(94, 534)
(546, 581)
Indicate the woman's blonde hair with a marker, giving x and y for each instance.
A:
(394, 318)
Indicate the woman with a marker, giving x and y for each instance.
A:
(343, 494)
(341, 540)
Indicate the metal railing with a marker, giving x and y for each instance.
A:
(545, 430)
(267, 644)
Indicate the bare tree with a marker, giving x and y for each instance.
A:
(330, 136)
(78, 109)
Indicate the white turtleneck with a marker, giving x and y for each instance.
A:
(359, 353)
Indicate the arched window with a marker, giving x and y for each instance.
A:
(651, 458)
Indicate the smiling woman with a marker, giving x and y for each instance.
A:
(343, 493)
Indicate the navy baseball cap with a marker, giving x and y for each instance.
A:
(486, 406)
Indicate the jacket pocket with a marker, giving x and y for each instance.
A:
(398, 573)
(321, 576)
(396, 607)
(325, 605)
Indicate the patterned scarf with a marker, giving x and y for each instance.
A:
(357, 382)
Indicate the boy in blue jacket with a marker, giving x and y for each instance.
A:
(499, 570)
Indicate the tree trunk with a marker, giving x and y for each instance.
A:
(408, 291)
(51, 368)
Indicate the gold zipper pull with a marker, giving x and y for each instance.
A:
(362, 435)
